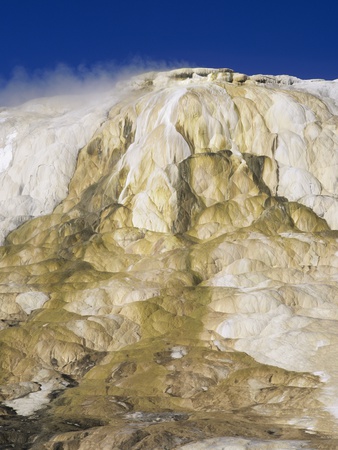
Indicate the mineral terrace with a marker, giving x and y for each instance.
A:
(169, 267)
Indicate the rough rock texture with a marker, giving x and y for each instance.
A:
(184, 293)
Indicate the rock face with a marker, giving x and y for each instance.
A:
(184, 292)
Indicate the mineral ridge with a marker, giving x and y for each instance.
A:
(169, 265)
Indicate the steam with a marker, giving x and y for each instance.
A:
(65, 80)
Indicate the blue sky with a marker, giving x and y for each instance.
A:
(297, 38)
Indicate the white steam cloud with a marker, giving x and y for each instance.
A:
(64, 80)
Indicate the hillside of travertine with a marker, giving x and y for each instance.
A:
(169, 265)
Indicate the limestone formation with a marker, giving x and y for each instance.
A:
(176, 283)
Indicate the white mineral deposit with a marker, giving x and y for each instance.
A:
(169, 264)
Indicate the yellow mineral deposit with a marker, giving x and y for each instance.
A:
(173, 283)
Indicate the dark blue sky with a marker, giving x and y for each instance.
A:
(297, 37)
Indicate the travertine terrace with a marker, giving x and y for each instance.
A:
(172, 282)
